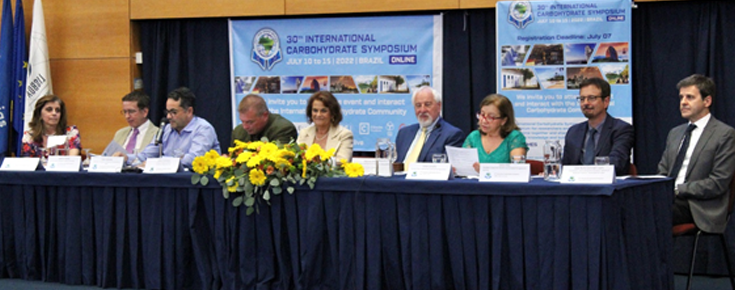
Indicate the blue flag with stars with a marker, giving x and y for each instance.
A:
(6, 70)
(20, 64)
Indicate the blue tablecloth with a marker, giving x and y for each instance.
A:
(160, 232)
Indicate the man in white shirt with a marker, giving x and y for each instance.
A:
(141, 131)
(700, 155)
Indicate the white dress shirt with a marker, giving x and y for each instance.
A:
(696, 133)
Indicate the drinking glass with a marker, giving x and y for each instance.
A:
(602, 160)
(44, 156)
(87, 157)
(439, 158)
(518, 159)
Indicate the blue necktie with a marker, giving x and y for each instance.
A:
(682, 151)
(589, 149)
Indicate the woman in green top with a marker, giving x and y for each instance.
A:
(498, 137)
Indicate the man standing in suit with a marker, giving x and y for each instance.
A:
(701, 156)
(601, 134)
(141, 131)
(418, 142)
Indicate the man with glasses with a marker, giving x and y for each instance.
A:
(601, 134)
(258, 122)
(187, 136)
(141, 131)
(700, 155)
(418, 142)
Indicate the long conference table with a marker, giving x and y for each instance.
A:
(161, 232)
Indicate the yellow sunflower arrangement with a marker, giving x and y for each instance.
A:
(253, 171)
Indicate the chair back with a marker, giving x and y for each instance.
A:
(633, 171)
(731, 201)
(537, 166)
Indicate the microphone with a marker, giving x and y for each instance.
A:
(159, 134)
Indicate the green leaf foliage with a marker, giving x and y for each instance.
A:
(195, 178)
(237, 201)
(250, 201)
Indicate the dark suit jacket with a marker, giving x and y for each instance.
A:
(615, 141)
(443, 134)
(708, 175)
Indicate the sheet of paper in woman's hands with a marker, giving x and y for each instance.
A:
(462, 159)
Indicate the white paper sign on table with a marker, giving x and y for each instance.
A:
(588, 174)
(374, 166)
(368, 164)
(462, 159)
(19, 164)
(428, 171)
(64, 163)
(505, 172)
(161, 165)
(106, 164)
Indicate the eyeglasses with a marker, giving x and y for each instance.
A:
(488, 118)
(588, 98)
(173, 112)
(128, 112)
(425, 105)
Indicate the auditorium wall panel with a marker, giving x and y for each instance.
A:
(87, 28)
(92, 89)
(160, 9)
(296, 7)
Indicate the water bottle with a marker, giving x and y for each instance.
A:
(386, 151)
(552, 160)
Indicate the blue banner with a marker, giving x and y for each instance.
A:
(547, 48)
(20, 62)
(6, 71)
(371, 64)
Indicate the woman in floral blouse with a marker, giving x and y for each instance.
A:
(49, 118)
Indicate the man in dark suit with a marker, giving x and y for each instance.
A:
(418, 142)
(601, 134)
(701, 156)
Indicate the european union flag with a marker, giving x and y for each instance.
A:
(6, 69)
(20, 64)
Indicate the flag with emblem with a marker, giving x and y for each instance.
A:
(20, 63)
(6, 71)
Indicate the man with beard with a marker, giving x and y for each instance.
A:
(700, 155)
(418, 142)
(601, 134)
